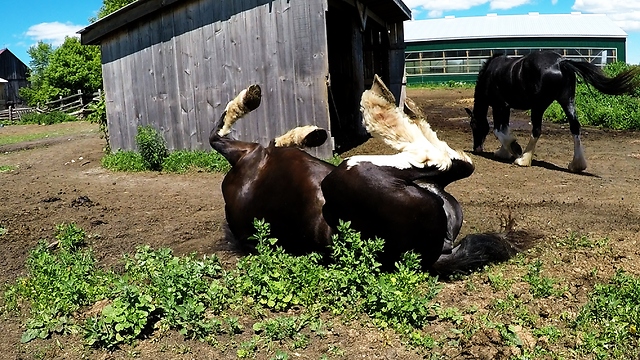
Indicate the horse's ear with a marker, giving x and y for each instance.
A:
(469, 111)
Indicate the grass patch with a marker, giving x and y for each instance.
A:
(6, 168)
(620, 112)
(272, 300)
(609, 322)
(66, 292)
(54, 117)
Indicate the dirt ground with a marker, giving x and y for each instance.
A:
(186, 213)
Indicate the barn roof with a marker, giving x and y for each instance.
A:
(393, 10)
(3, 80)
(513, 26)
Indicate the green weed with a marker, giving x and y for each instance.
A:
(182, 161)
(609, 322)
(152, 147)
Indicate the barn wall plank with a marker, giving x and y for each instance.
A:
(113, 95)
(187, 62)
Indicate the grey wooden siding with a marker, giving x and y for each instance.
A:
(15, 72)
(178, 69)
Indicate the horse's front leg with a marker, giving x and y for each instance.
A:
(536, 130)
(509, 147)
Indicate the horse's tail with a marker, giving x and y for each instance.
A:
(623, 83)
(477, 250)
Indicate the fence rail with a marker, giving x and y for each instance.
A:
(75, 105)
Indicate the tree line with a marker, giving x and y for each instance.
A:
(62, 71)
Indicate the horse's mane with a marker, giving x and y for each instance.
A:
(484, 67)
(481, 79)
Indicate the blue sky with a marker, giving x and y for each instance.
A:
(50, 21)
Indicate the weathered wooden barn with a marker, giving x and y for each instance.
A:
(15, 72)
(175, 64)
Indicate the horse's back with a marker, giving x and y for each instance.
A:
(379, 203)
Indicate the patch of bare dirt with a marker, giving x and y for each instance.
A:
(62, 181)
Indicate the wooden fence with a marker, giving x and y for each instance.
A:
(73, 105)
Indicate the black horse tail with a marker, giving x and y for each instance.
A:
(477, 250)
(624, 83)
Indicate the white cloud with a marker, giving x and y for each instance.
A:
(553, 2)
(624, 13)
(437, 8)
(53, 32)
(506, 4)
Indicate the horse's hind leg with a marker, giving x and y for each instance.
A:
(579, 163)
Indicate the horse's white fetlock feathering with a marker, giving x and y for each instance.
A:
(410, 135)
(296, 137)
(246, 101)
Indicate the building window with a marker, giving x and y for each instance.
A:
(420, 63)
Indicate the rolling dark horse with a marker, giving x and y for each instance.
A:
(278, 183)
(399, 198)
(533, 82)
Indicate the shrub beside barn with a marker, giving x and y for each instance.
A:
(175, 64)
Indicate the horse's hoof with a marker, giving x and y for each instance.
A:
(503, 153)
(524, 161)
(576, 168)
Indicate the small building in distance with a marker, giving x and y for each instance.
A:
(454, 49)
(15, 72)
(175, 64)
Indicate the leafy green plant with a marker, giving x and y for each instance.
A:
(123, 161)
(610, 320)
(275, 279)
(152, 147)
(121, 321)
(6, 168)
(181, 161)
(53, 117)
(594, 108)
(540, 286)
(58, 284)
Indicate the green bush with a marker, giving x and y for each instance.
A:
(124, 161)
(152, 147)
(181, 161)
(620, 112)
(50, 118)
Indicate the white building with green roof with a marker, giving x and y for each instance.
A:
(454, 49)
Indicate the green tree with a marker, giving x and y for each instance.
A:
(62, 71)
(40, 56)
(109, 6)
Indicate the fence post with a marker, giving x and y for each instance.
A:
(10, 112)
(81, 99)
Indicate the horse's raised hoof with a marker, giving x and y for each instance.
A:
(303, 136)
(503, 153)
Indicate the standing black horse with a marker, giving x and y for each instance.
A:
(533, 82)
